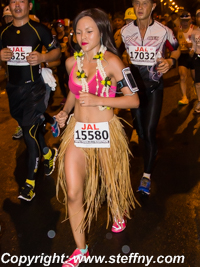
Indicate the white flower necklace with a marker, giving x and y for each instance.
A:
(106, 82)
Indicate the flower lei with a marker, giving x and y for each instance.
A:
(106, 82)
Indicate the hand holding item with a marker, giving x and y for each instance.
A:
(34, 58)
(6, 54)
(164, 66)
(61, 118)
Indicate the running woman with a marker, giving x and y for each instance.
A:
(94, 154)
(21, 45)
(145, 41)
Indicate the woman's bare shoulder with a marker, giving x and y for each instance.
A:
(69, 63)
(114, 62)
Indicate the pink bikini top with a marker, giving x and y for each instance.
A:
(75, 88)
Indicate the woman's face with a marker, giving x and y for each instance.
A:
(88, 35)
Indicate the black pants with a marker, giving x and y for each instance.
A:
(28, 103)
(34, 140)
(146, 119)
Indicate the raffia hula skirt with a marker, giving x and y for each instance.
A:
(108, 175)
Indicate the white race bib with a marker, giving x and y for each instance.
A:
(142, 55)
(20, 54)
(92, 135)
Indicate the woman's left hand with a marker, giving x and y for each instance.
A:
(88, 100)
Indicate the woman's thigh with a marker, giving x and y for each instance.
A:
(75, 170)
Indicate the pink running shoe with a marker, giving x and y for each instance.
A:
(118, 226)
(76, 258)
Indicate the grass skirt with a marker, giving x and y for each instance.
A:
(107, 177)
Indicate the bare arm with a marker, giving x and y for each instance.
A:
(62, 116)
(53, 64)
(35, 58)
(123, 102)
(167, 63)
(193, 49)
(127, 100)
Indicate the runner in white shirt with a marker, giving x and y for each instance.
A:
(185, 61)
(145, 41)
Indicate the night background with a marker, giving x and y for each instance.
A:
(55, 9)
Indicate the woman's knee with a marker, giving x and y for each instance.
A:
(74, 195)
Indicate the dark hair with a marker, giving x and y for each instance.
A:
(103, 23)
(152, 1)
(118, 15)
(30, 1)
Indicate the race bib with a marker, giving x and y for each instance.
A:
(142, 55)
(92, 135)
(19, 55)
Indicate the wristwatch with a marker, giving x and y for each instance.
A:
(174, 61)
(46, 64)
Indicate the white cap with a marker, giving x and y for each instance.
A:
(6, 11)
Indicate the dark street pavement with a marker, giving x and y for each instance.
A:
(167, 223)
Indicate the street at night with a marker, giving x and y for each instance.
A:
(167, 223)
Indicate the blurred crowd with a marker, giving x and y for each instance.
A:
(62, 30)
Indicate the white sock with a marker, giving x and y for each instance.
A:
(147, 175)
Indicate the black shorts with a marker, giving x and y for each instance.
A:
(196, 63)
(28, 102)
(186, 61)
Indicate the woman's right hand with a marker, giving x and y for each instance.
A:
(61, 118)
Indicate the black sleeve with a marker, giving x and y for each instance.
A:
(121, 49)
(47, 39)
(1, 29)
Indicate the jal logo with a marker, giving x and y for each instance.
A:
(141, 49)
(90, 127)
(18, 49)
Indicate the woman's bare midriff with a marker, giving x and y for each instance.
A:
(91, 114)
